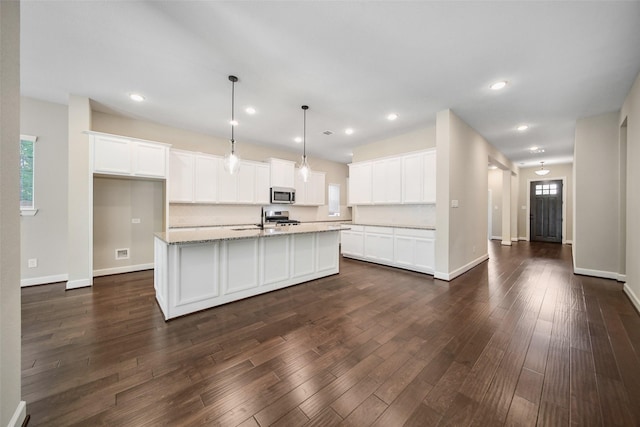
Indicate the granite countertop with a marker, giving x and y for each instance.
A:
(416, 227)
(206, 236)
(178, 227)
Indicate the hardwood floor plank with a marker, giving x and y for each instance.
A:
(366, 413)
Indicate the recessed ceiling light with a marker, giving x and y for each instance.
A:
(233, 122)
(136, 97)
(536, 149)
(297, 139)
(498, 85)
(250, 110)
(348, 131)
(392, 116)
(522, 128)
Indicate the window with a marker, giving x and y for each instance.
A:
(27, 162)
(546, 189)
(334, 200)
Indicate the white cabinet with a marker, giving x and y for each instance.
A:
(193, 177)
(181, 166)
(114, 155)
(408, 248)
(419, 178)
(246, 183)
(352, 241)
(243, 187)
(386, 181)
(282, 173)
(360, 183)
(312, 192)
(206, 178)
(263, 172)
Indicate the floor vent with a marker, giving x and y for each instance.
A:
(122, 253)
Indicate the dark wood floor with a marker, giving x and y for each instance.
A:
(519, 340)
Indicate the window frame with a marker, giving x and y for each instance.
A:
(29, 210)
(334, 213)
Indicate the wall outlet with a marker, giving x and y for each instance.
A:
(135, 220)
(32, 262)
(454, 203)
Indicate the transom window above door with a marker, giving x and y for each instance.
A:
(546, 189)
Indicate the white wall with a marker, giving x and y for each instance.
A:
(44, 236)
(631, 112)
(595, 246)
(116, 202)
(12, 409)
(495, 185)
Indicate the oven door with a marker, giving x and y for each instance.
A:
(280, 195)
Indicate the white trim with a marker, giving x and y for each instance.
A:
(567, 242)
(632, 296)
(496, 237)
(564, 204)
(622, 278)
(457, 272)
(80, 283)
(514, 239)
(596, 273)
(19, 415)
(523, 238)
(44, 280)
(124, 269)
(506, 243)
(28, 212)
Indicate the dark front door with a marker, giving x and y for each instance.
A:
(546, 211)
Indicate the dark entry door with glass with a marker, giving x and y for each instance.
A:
(546, 211)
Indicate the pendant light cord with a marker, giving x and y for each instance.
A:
(304, 131)
(233, 79)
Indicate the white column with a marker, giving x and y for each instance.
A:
(506, 207)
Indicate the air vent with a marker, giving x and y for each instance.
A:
(328, 132)
(122, 253)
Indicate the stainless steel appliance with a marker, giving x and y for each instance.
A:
(282, 195)
(279, 218)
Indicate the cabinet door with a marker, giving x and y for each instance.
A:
(429, 191)
(379, 182)
(282, 172)
(150, 159)
(262, 184)
(412, 178)
(181, 177)
(112, 155)
(206, 178)
(425, 255)
(301, 188)
(247, 183)
(378, 244)
(404, 251)
(360, 183)
(394, 181)
(352, 243)
(228, 186)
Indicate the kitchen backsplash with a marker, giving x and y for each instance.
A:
(190, 215)
(410, 215)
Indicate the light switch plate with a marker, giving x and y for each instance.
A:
(454, 203)
(135, 220)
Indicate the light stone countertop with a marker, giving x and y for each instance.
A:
(416, 227)
(176, 237)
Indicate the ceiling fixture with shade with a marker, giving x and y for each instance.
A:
(304, 168)
(231, 160)
(542, 171)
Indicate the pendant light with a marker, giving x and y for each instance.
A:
(542, 171)
(304, 168)
(231, 160)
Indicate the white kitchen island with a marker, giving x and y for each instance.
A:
(195, 270)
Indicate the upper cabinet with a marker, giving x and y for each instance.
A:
(312, 192)
(113, 155)
(282, 173)
(406, 179)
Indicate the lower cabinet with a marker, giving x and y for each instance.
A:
(408, 248)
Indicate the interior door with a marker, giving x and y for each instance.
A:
(546, 211)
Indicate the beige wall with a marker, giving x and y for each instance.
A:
(462, 175)
(420, 139)
(631, 112)
(596, 214)
(556, 172)
(12, 409)
(116, 202)
(44, 236)
(495, 185)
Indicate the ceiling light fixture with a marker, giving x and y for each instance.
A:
(498, 85)
(542, 171)
(231, 160)
(391, 117)
(304, 167)
(250, 110)
(522, 128)
(136, 97)
(348, 131)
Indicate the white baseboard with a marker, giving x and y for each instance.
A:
(632, 296)
(596, 273)
(457, 272)
(506, 243)
(567, 242)
(622, 278)
(124, 269)
(524, 239)
(496, 237)
(19, 415)
(81, 283)
(43, 280)
(514, 239)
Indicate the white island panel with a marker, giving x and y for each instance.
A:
(276, 256)
(197, 279)
(241, 261)
(303, 254)
(327, 258)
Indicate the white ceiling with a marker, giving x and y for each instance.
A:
(351, 62)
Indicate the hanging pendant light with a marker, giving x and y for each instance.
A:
(542, 171)
(304, 167)
(231, 160)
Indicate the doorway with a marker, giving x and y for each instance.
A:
(545, 218)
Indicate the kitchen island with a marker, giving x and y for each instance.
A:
(195, 270)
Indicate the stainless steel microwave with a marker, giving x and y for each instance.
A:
(283, 195)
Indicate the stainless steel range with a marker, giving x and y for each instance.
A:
(279, 218)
